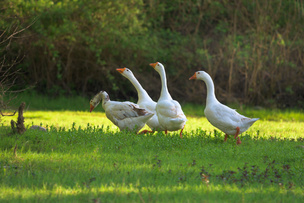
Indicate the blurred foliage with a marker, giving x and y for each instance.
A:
(252, 49)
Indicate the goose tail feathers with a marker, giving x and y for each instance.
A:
(178, 120)
(252, 121)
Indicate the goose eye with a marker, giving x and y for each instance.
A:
(198, 72)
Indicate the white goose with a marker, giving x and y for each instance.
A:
(220, 116)
(144, 100)
(169, 112)
(125, 115)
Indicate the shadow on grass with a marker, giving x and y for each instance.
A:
(179, 193)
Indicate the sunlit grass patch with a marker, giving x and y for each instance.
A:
(76, 119)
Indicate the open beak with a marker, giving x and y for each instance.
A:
(121, 70)
(153, 64)
(91, 107)
(193, 77)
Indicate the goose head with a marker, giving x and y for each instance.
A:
(200, 75)
(102, 95)
(125, 72)
(157, 66)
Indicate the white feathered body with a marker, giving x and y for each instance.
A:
(150, 105)
(170, 115)
(144, 100)
(127, 115)
(169, 112)
(227, 119)
(220, 115)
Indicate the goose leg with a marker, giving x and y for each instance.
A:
(181, 132)
(226, 136)
(236, 136)
(238, 141)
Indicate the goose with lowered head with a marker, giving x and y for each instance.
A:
(144, 100)
(220, 116)
(125, 115)
(169, 112)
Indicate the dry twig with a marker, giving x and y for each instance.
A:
(19, 125)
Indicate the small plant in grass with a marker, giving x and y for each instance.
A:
(247, 175)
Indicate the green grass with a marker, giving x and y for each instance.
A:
(83, 158)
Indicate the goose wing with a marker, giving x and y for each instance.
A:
(224, 114)
(170, 109)
(123, 110)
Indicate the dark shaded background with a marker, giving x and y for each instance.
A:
(254, 50)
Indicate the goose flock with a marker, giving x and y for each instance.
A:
(166, 114)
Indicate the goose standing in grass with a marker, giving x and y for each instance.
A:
(125, 115)
(169, 112)
(221, 116)
(144, 100)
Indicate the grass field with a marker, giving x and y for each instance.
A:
(83, 158)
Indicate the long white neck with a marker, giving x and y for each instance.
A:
(103, 100)
(210, 90)
(164, 94)
(142, 94)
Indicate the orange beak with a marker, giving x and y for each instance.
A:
(121, 70)
(91, 107)
(153, 64)
(193, 77)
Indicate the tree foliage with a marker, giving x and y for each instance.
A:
(8, 63)
(252, 49)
